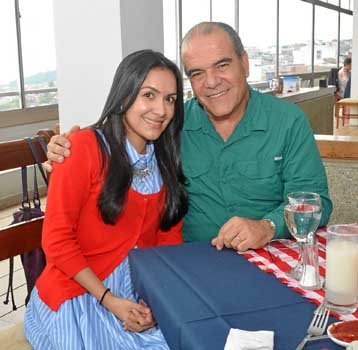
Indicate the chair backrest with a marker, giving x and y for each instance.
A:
(347, 90)
(25, 236)
(333, 77)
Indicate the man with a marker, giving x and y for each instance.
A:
(242, 151)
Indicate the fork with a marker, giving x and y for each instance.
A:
(317, 326)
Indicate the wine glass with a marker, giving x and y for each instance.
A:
(302, 216)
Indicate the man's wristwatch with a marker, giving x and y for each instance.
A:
(272, 225)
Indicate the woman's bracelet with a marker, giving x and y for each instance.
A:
(103, 295)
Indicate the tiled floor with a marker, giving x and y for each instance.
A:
(8, 317)
(348, 130)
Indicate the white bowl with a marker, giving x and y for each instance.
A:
(335, 340)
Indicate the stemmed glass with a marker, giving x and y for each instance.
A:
(302, 216)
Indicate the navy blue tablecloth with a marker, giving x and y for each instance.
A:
(197, 294)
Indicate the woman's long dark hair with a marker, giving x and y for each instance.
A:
(127, 82)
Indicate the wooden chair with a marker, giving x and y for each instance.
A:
(25, 236)
(346, 109)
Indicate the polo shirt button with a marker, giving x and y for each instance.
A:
(232, 209)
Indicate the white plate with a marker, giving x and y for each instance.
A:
(335, 340)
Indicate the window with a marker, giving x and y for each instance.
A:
(9, 69)
(31, 46)
(193, 12)
(345, 40)
(170, 30)
(295, 45)
(224, 11)
(326, 39)
(257, 30)
(347, 4)
(38, 52)
(298, 52)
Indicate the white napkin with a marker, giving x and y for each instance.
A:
(353, 345)
(248, 340)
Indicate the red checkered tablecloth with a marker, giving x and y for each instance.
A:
(281, 255)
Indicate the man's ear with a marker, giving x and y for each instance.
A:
(245, 63)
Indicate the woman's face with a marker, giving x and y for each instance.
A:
(153, 109)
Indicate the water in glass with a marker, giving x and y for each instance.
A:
(302, 219)
(302, 216)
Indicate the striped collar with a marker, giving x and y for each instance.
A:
(138, 160)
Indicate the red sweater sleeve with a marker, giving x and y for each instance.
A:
(173, 236)
(68, 190)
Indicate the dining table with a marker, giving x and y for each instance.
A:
(197, 294)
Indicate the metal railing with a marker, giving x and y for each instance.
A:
(31, 91)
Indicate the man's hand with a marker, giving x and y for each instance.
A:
(58, 148)
(242, 234)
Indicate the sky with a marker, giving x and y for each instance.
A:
(37, 34)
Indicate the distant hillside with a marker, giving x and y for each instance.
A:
(41, 77)
(38, 78)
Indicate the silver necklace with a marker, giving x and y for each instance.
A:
(141, 173)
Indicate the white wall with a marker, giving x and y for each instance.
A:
(354, 82)
(89, 44)
(142, 25)
(88, 48)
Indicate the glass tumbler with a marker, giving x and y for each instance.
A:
(342, 268)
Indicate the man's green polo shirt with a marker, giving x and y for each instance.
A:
(271, 152)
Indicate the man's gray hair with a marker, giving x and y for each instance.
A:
(205, 28)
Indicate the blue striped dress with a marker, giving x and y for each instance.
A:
(81, 322)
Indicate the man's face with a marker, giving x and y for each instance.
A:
(217, 74)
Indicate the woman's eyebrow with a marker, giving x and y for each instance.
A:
(150, 87)
(156, 90)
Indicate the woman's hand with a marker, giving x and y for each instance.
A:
(135, 317)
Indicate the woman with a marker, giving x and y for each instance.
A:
(122, 187)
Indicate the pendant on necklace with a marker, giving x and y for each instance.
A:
(141, 173)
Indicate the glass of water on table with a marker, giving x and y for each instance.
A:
(302, 216)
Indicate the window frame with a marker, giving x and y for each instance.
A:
(314, 4)
(24, 114)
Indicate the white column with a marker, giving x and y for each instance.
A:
(354, 72)
(354, 82)
(92, 37)
(142, 25)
